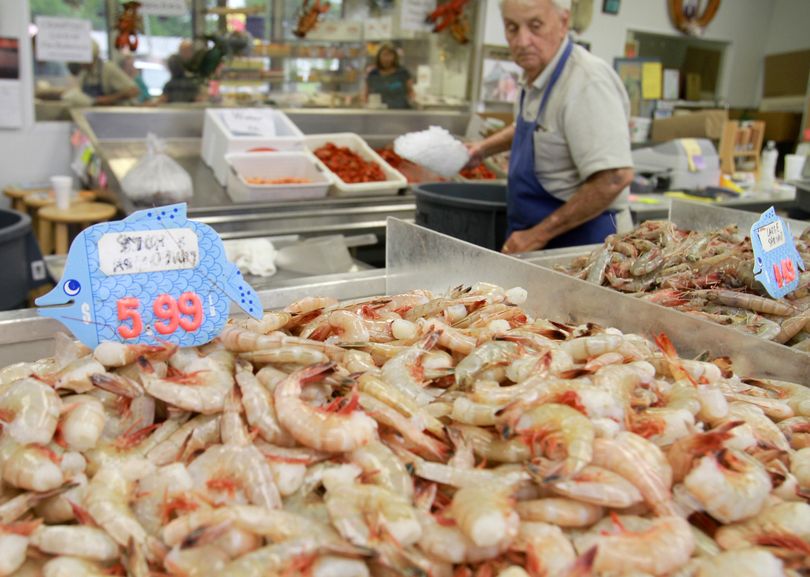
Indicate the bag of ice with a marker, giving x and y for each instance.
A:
(435, 149)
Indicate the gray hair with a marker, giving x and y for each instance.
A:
(561, 5)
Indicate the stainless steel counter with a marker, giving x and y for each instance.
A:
(656, 206)
(118, 136)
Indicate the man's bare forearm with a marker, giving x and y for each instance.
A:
(501, 141)
(588, 202)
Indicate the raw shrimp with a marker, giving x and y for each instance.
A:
(359, 511)
(640, 462)
(787, 519)
(583, 348)
(796, 431)
(113, 354)
(405, 373)
(321, 430)
(259, 407)
(224, 472)
(598, 486)
(685, 451)
(271, 321)
(730, 487)
(82, 422)
(75, 376)
(505, 475)
(349, 327)
(485, 514)
(309, 304)
(800, 467)
(15, 507)
(410, 429)
(762, 427)
(664, 546)
(490, 354)
(108, 497)
(750, 302)
(160, 493)
(29, 411)
(379, 389)
(71, 566)
(290, 354)
(450, 544)
(14, 541)
(471, 413)
(172, 448)
(488, 446)
(663, 426)
(33, 468)
(382, 467)
(287, 476)
(559, 511)
(566, 426)
(548, 550)
(449, 337)
(75, 540)
(753, 562)
(203, 389)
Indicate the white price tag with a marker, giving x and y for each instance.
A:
(250, 122)
(148, 251)
(771, 236)
(63, 39)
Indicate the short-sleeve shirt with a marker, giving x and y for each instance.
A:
(585, 127)
(392, 88)
(109, 76)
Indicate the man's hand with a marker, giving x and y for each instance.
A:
(477, 155)
(523, 241)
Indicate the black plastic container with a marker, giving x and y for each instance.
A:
(15, 228)
(471, 211)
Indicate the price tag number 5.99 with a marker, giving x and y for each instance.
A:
(186, 312)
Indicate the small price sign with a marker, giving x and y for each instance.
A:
(153, 277)
(777, 263)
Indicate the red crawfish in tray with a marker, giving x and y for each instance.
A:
(450, 15)
(308, 16)
(128, 26)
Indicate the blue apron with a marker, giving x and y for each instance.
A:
(527, 201)
(94, 89)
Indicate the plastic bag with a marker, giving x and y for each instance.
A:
(156, 178)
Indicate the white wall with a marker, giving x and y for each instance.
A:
(37, 150)
(788, 31)
(741, 23)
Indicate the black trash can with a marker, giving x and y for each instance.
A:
(471, 211)
(23, 266)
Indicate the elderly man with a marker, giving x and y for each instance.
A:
(570, 162)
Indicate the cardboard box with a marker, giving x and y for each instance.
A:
(779, 126)
(703, 124)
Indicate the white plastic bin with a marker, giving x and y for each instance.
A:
(218, 139)
(244, 165)
(393, 183)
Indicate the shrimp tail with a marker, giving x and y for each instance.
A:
(675, 366)
(82, 515)
(315, 373)
(583, 566)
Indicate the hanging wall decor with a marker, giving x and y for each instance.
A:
(309, 15)
(451, 15)
(581, 15)
(128, 26)
(692, 16)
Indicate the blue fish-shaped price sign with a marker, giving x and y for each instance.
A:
(777, 263)
(152, 278)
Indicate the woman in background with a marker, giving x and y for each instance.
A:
(128, 66)
(388, 79)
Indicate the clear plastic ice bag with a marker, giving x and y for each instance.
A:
(157, 178)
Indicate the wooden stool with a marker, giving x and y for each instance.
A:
(16, 196)
(83, 213)
(40, 198)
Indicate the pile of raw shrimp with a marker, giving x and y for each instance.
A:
(417, 435)
(706, 274)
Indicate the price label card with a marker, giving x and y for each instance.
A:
(151, 278)
(777, 263)
(250, 122)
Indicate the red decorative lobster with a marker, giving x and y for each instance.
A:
(309, 16)
(128, 26)
(451, 15)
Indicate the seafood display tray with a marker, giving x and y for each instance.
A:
(420, 258)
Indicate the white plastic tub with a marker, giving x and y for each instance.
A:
(278, 132)
(393, 183)
(244, 165)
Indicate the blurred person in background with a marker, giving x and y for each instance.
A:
(390, 80)
(181, 87)
(128, 65)
(104, 83)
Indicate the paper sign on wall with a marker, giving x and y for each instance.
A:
(777, 263)
(63, 39)
(151, 278)
(164, 7)
(651, 80)
(413, 14)
(10, 104)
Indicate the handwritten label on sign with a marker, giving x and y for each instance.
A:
(148, 251)
(250, 122)
(777, 263)
(151, 278)
(63, 39)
